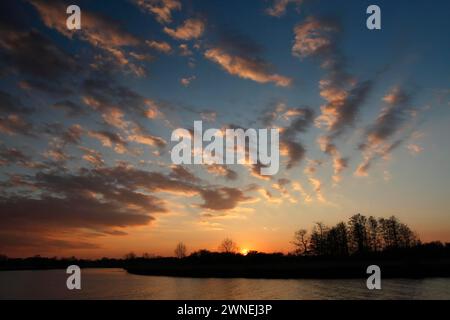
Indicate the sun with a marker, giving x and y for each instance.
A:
(244, 251)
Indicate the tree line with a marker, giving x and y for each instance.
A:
(359, 235)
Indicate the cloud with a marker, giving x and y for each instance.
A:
(57, 154)
(115, 101)
(243, 67)
(160, 46)
(181, 173)
(11, 104)
(148, 139)
(222, 171)
(100, 199)
(317, 185)
(343, 105)
(63, 136)
(292, 121)
(187, 81)
(31, 54)
(222, 198)
(13, 156)
(14, 124)
(339, 163)
(382, 137)
(299, 120)
(255, 170)
(162, 9)
(294, 150)
(105, 95)
(74, 211)
(184, 50)
(389, 120)
(190, 29)
(414, 147)
(314, 37)
(16, 243)
(99, 31)
(51, 88)
(344, 94)
(369, 156)
(140, 135)
(110, 139)
(278, 7)
(93, 157)
(208, 115)
(124, 183)
(70, 108)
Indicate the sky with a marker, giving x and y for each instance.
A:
(86, 118)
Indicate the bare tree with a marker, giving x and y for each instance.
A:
(358, 233)
(373, 233)
(180, 250)
(301, 242)
(130, 256)
(318, 243)
(228, 246)
(147, 255)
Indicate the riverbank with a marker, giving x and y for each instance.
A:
(306, 269)
(268, 266)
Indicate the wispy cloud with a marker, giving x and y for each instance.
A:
(162, 9)
(278, 7)
(190, 29)
(344, 94)
(97, 30)
(246, 68)
(381, 137)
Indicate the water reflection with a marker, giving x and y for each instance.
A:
(117, 284)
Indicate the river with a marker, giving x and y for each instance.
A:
(118, 284)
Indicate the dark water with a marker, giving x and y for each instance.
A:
(117, 284)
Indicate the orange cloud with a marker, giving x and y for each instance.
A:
(99, 31)
(191, 29)
(246, 68)
(279, 7)
(222, 171)
(312, 37)
(93, 157)
(14, 124)
(159, 46)
(187, 81)
(162, 9)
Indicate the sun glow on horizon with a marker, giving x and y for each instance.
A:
(245, 251)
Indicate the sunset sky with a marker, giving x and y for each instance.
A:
(86, 118)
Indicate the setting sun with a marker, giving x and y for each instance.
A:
(244, 251)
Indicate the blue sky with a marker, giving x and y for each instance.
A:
(136, 70)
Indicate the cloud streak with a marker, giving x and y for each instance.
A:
(380, 137)
(243, 67)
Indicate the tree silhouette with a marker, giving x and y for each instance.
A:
(180, 250)
(318, 239)
(301, 242)
(339, 236)
(358, 233)
(130, 256)
(373, 233)
(359, 236)
(228, 246)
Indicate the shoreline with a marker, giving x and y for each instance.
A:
(260, 267)
(308, 270)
